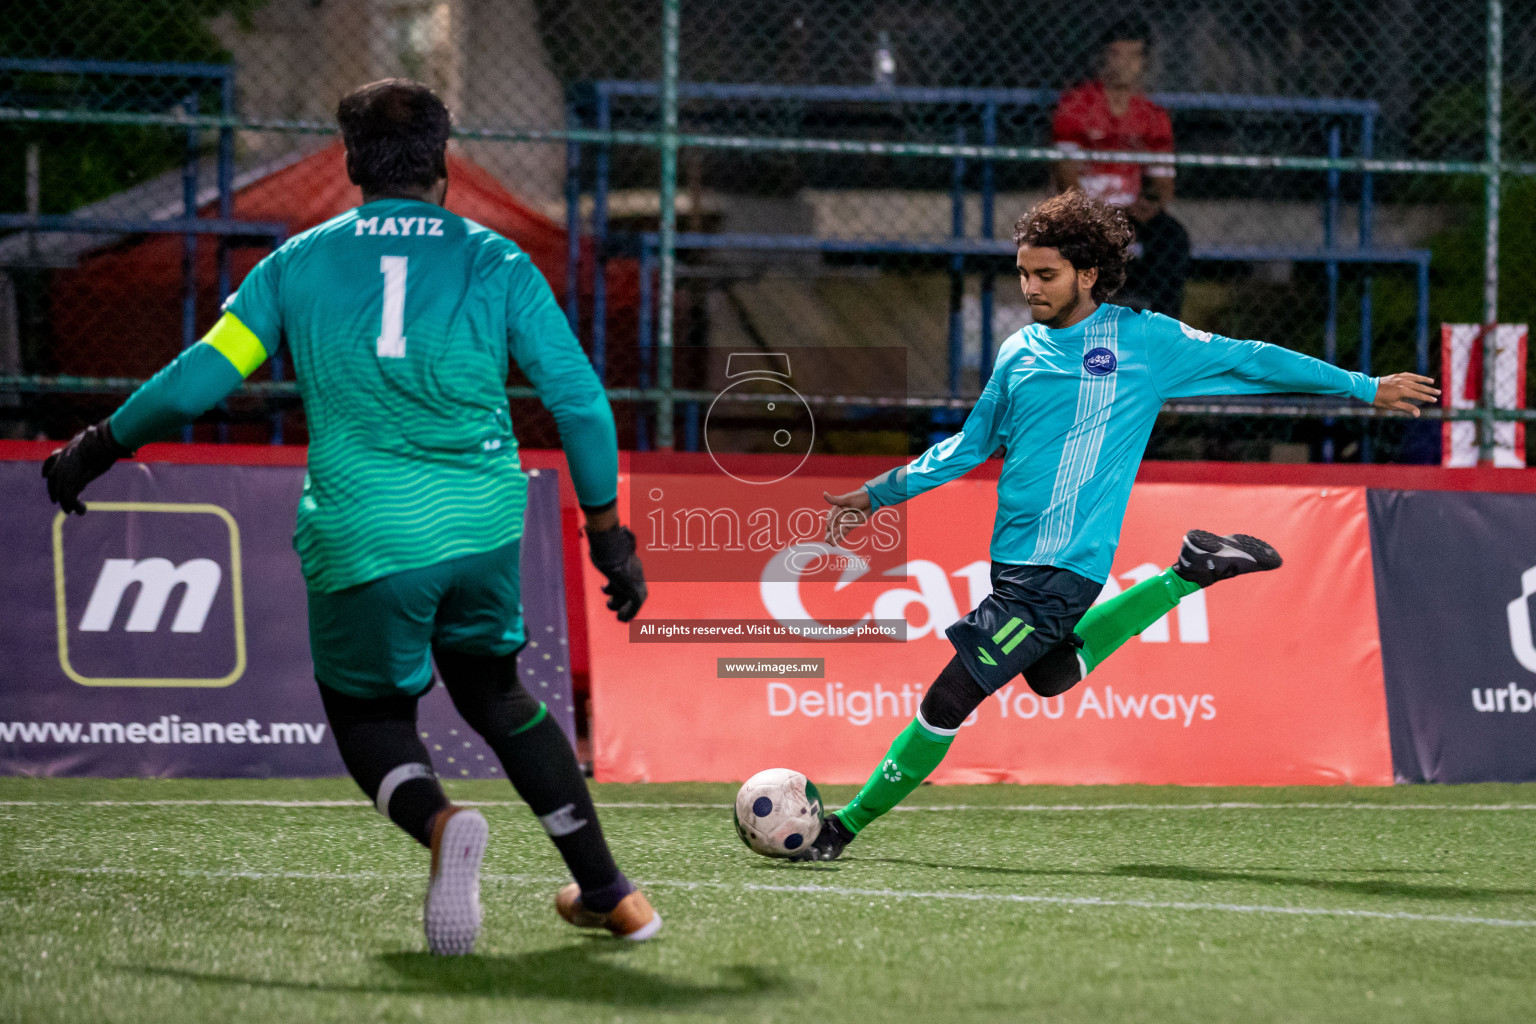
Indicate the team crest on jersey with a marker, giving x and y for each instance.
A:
(1099, 361)
(1191, 332)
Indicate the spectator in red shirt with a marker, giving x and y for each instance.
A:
(1113, 113)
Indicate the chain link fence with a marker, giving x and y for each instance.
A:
(745, 174)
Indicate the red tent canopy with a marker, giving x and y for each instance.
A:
(119, 312)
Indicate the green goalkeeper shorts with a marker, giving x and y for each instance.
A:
(376, 639)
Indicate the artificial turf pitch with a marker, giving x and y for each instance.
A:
(978, 904)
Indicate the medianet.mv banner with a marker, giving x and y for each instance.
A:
(164, 633)
(1456, 593)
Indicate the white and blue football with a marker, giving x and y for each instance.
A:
(778, 812)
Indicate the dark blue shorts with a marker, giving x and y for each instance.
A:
(1031, 610)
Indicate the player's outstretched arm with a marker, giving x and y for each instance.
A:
(1186, 363)
(951, 458)
(189, 386)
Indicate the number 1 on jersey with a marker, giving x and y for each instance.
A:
(392, 336)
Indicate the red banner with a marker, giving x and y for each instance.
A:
(1264, 680)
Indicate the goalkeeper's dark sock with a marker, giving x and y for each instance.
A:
(919, 748)
(1105, 627)
(542, 767)
(380, 746)
(540, 764)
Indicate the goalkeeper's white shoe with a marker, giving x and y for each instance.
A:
(452, 913)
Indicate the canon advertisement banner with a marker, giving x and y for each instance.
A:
(1456, 589)
(164, 633)
(818, 657)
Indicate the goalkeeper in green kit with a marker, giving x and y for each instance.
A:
(401, 319)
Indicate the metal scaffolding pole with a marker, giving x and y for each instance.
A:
(1495, 112)
(670, 23)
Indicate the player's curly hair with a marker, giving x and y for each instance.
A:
(396, 134)
(1088, 234)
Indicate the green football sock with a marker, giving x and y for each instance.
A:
(914, 755)
(1106, 626)
(919, 749)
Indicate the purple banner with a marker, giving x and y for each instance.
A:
(1456, 604)
(164, 633)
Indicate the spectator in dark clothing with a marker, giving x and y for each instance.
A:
(1154, 279)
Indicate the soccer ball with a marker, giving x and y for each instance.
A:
(778, 812)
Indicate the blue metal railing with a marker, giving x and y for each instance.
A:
(962, 247)
(598, 107)
(186, 79)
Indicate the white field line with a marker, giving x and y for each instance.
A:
(843, 891)
(928, 808)
(185, 803)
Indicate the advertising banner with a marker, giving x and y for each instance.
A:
(1455, 587)
(164, 633)
(1463, 353)
(1271, 679)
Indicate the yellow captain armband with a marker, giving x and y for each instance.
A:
(235, 342)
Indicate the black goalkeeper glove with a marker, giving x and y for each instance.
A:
(613, 552)
(89, 454)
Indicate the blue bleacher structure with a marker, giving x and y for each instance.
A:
(592, 107)
(185, 80)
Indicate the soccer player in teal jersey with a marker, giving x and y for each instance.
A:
(1072, 398)
(401, 318)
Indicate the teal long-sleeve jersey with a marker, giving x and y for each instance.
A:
(401, 319)
(1074, 408)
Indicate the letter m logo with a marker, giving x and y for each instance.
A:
(149, 594)
(156, 578)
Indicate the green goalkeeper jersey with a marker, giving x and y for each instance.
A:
(401, 319)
